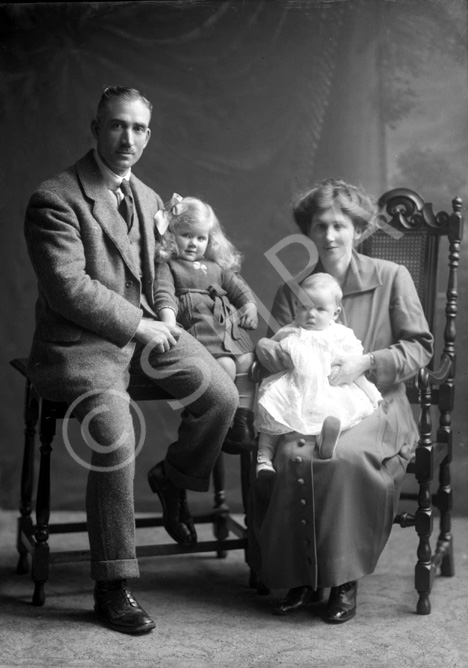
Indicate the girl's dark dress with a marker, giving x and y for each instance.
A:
(205, 299)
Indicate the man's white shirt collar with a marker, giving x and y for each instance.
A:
(111, 179)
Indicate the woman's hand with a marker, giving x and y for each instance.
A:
(272, 356)
(347, 369)
(249, 318)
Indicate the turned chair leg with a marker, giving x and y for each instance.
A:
(248, 466)
(245, 472)
(25, 524)
(444, 504)
(220, 526)
(40, 564)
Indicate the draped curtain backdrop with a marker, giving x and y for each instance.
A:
(253, 101)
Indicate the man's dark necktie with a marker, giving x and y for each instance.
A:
(126, 205)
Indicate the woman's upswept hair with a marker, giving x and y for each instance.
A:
(350, 200)
(189, 211)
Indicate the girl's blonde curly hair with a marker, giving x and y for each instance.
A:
(190, 211)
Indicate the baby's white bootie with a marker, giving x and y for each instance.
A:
(328, 437)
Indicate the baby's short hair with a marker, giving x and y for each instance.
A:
(325, 281)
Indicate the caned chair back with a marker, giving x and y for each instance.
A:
(410, 233)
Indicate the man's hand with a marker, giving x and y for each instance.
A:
(272, 356)
(347, 369)
(160, 335)
(249, 319)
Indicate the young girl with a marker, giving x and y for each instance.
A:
(198, 284)
(301, 399)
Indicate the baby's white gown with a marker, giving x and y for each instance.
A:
(299, 399)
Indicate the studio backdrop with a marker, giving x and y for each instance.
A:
(254, 100)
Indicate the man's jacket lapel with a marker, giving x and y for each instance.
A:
(103, 208)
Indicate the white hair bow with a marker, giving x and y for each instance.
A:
(162, 216)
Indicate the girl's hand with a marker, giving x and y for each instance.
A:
(159, 335)
(249, 319)
(347, 369)
(272, 356)
(168, 316)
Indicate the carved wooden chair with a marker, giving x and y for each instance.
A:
(33, 537)
(410, 234)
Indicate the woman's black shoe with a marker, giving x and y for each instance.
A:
(296, 599)
(115, 605)
(342, 603)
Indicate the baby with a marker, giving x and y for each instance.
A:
(301, 399)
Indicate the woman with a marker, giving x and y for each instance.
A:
(328, 520)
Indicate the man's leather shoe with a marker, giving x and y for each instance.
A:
(176, 516)
(342, 603)
(117, 608)
(296, 599)
(241, 435)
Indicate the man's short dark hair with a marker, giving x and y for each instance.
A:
(111, 93)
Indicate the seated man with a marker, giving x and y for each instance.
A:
(91, 238)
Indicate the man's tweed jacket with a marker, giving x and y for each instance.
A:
(88, 307)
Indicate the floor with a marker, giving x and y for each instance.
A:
(207, 616)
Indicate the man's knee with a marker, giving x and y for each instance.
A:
(225, 395)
